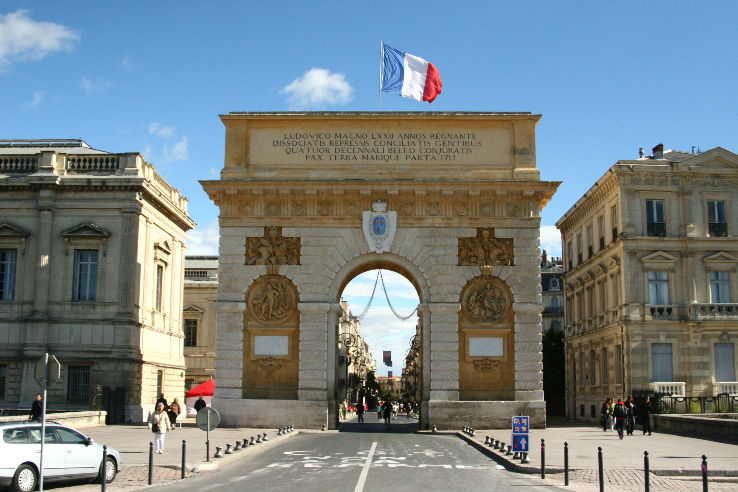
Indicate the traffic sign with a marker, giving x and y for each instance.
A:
(520, 425)
(54, 372)
(520, 443)
(207, 419)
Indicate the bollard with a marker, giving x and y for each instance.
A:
(524, 458)
(184, 455)
(472, 433)
(218, 452)
(566, 463)
(322, 428)
(228, 449)
(151, 463)
(497, 444)
(486, 440)
(502, 446)
(245, 442)
(258, 438)
(646, 478)
(207, 450)
(543, 458)
(291, 427)
(516, 455)
(704, 473)
(279, 431)
(237, 447)
(599, 469)
(509, 450)
(264, 437)
(252, 442)
(103, 470)
(434, 429)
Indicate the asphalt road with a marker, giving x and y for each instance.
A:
(363, 461)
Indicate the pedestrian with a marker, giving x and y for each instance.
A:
(159, 424)
(37, 409)
(343, 410)
(604, 412)
(161, 400)
(620, 413)
(379, 410)
(611, 414)
(630, 420)
(173, 412)
(646, 416)
(394, 410)
(387, 412)
(360, 412)
(200, 404)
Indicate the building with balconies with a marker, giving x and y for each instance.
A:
(650, 257)
(552, 293)
(91, 262)
(200, 292)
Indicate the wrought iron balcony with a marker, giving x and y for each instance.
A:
(661, 312)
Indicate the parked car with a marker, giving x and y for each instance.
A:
(68, 455)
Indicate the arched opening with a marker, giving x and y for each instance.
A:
(378, 349)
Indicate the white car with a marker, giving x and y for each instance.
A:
(68, 455)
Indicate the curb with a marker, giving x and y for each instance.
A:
(227, 458)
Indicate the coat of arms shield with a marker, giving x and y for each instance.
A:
(379, 227)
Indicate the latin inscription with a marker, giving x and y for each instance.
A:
(377, 146)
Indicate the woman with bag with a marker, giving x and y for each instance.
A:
(159, 424)
(173, 411)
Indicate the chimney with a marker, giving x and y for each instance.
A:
(640, 152)
(658, 151)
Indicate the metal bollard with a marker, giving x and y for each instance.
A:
(228, 449)
(543, 458)
(207, 450)
(502, 446)
(516, 455)
(258, 438)
(566, 463)
(497, 444)
(264, 437)
(151, 463)
(704, 473)
(600, 470)
(486, 440)
(237, 447)
(184, 458)
(434, 429)
(524, 458)
(103, 470)
(252, 442)
(218, 452)
(245, 442)
(472, 433)
(292, 427)
(646, 479)
(279, 431)
(509, 450)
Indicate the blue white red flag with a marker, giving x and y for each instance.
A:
(409, 75)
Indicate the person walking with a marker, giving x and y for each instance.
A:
(37, 409)
(360, 412)
(159, 424)
(343, 410)
(162, 400)
(620, 413)
(387, 412)
(646, 416)
(379, 411)
(611, 414)
(173, 412)
(604, 414)
(630, 419)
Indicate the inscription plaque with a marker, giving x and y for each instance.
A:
(486, 346)
(271, 345)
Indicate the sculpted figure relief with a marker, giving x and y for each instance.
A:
(272, 298)
(485, 249)
(272, 249)
(485, 300)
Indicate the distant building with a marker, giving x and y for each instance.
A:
(552, 290)
(91, 263)
(391, 385)
(200, 292)
(354, 360)
(651, 253)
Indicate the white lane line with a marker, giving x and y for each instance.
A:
(365, 469)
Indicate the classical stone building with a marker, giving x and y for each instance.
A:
(310, 200)
(651, 252)
(91, 264)
(200, 292)
(354, 359)
(552, 290)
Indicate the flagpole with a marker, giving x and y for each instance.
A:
(381, 69)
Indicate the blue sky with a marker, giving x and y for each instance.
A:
(152, 77)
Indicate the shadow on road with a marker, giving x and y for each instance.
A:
(399, 425)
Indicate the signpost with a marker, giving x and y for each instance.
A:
(47, 372)
(207, 419)
(520, 438)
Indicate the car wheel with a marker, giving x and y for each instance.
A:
(110, 469)
(25, 479)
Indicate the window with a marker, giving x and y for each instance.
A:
(85, 275)
(605, 369)
(555, 304)
(3, 378)
(662, 369)
(159, 382)
(716, 223)
(724, 362)
(569, 254)
(614, 222)
(618, 364)
(593, 368)
(720, 286)
(69, 436)
(658, 287)
(601, 230)
(581, 369)
(190, 333)
(580, 260)
(590, 244)
(7, 274)
(159, 282)
(553, 284)
(78, 383)
(655, 225)
(16, 436)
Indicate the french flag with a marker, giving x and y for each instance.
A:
(409, 75)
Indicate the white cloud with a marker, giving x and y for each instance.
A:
(551, 240)
(177, 151)
(161, 131)
(203, 240)
(318, 87)
(91, 86)
(22, 38)
(36, 100)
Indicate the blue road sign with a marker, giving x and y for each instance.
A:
(520, 425)
(520, 443)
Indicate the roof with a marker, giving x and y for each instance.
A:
(61, 146)
(201, 262)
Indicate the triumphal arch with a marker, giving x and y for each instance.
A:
(310, 200)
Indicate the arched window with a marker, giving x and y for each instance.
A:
(553, 284)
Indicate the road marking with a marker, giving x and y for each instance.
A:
(365, 469)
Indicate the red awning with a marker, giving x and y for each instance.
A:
(205, 389)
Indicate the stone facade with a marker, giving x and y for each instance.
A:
(200, 292)
(552, 289)
(651, 252)
(91, 262)
(467, 198)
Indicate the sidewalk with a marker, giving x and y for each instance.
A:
(670, 457)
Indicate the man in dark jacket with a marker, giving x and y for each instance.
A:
(621, 412)
(200, 403)
(37, 409)
(646, 416)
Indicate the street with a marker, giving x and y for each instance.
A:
(367, 460)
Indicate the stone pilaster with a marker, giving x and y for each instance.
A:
(313, 351)
(444, 350)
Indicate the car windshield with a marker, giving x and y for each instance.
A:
(36, 435)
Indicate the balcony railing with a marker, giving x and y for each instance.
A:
(661, 312)
(729, 388)
(656, 229)
(718, 229)
(702, 311)
(673, 388)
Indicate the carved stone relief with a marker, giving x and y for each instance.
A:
(270, 363)
(272, 249)
(485, 299)
(434, 209)
(272, 298)
(272, 209)
(299, 207)
(325, 208)
(485, 249)
(407, 208)
(485, 365)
